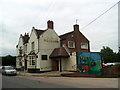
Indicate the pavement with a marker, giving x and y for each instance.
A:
(44, 74)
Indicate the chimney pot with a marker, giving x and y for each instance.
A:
(50, 24)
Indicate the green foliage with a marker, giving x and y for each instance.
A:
(111, 71)
(118, 56)
(9, 60)
(109, 56)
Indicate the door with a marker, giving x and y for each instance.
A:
(55, 65)
(25, 64)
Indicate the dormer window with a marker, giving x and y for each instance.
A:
(71, 44)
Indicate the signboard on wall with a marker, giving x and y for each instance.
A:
(89, 62)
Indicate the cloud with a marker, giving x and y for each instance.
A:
(19, 16)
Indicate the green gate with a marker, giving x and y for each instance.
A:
(89, 62)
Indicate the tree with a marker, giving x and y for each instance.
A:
(118, 54)
(9, 60)
(108, 55)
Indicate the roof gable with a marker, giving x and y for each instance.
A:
(39, 32)
(64, 36)
(25, 38)
(83, 36)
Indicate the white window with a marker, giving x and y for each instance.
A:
(33, 45)
(25, 48)
(84, 46)
(32, 60)
(71, 44)
(20, 50)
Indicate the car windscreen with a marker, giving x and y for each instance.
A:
(9, 68)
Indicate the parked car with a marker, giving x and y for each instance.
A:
(0, 69)
(8, 70)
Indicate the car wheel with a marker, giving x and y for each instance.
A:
(5, 74)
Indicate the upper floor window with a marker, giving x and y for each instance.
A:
(20, 50)
(84, 46)
(71, 44)
(25, 48)
(33, 45)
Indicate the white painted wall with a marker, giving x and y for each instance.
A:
(33, 38)
(47, 45)
(48, 41)
(69, 63)
(20, 44)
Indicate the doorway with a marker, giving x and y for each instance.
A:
(55, 65)
(25, 64)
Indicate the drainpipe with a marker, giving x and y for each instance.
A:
(37, 52)
(60, 65)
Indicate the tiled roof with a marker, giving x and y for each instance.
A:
(59, 52)
(39, 32)
(25, 38)
(64, 36)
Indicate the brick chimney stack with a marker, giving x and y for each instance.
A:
(76, 27)
(50, 25)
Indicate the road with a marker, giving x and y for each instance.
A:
(57, 82)
(21, 82)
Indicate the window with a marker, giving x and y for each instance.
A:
(84, 46)
(44, 57)
(33, 45)
(20, 63)
(72, 36)
(20, 50)
(31, 60)
(71, 44)
(25, 48)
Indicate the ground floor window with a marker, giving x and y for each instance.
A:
(31, 60)
(44, 57)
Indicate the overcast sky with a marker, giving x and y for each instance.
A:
(19, 16)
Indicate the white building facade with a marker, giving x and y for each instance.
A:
(33, 52)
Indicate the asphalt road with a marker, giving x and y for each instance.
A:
(58, 82)
(20, 82)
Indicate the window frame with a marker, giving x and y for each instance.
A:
(31, 59)
(46, 58)
(33, 45)
(84, 47)
(69, 44)
(25, 47)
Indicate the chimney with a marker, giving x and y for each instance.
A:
(50, 24)
(76, 27)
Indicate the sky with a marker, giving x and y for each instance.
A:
(19, 16)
